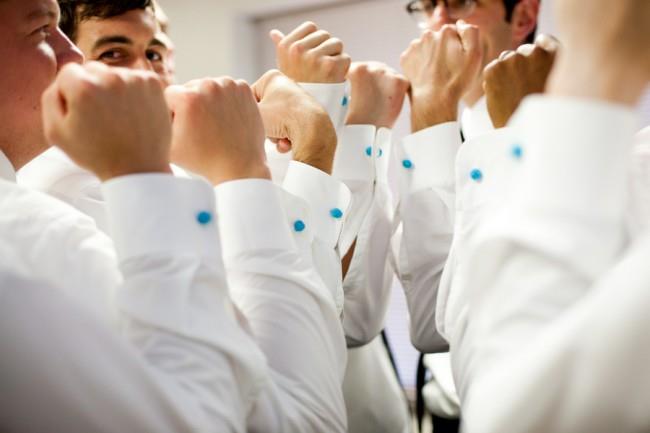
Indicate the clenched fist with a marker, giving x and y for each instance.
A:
(292, 116)
(111, 121)
(217, 130)
(441, 67)
(310, 55)
(378, 94)
(515, 75)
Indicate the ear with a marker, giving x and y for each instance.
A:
(524, 20)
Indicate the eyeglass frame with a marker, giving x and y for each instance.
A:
(410, 7)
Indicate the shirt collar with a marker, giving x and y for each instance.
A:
(475, 120)
(7, 171)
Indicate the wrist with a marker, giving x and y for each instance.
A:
(429, 110)
(115, 172)
(242, 171)
(317, 146)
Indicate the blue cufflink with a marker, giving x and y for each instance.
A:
(336, 213)
(517, 151)
(407, 164)
(380, 153)
(345, 101)
(204, 218)
(299, 226)
(476, 175)
(369, 150)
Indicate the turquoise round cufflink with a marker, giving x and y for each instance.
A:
(336, 213)
(299, 226)
(476, 175)
(407, 164)
(517, 151)
(204, 218)
(345, 101)
(369, 150)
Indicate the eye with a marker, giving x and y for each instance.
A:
(43, 32)
(154, 56)
(112, 56)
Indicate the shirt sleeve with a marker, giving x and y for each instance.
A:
(289, 309)
(545, 292)
(424, 225)
(46, 381)
(175, 295)
(165, 287)
(361, 163)
(329, 201)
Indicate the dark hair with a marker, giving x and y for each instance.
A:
(510, 8)
(73, 12)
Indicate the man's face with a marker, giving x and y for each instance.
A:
(131, 40)
(33, 49)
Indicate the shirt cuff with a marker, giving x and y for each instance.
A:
(575, 155)
(299, 220)
(383, 145)
(252, 217)
(159, 213)
(356, 153)
(328, 200)
(485, 166)
(332, 97)
(428, 158)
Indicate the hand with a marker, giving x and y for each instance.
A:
(310, 55)
(611, 63)
(111, 121)
(378, 94)
(441, 67)
(217, 130)
(515, 75)
(291, 115)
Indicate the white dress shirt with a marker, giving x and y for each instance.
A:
(165, 295)
(65, 249)
(558, 300)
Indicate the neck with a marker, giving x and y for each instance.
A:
(16, 157)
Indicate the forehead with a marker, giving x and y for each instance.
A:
(16, 12)
(137, 24)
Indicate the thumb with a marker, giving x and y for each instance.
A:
(276, 36)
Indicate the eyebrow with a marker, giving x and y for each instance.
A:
(155, 42)
(43, 13)
(107, 40)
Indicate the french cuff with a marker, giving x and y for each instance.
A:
(485, 166)
(298, 220)
(252, 217)
(328, 200)
(356, 154)
(332, 97)
(160, 213)
(427, 158)
(576, 154)
(383, 145)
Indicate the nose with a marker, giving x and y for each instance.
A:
(142, 63)
(66, 51)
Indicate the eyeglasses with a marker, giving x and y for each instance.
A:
(421, 10)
